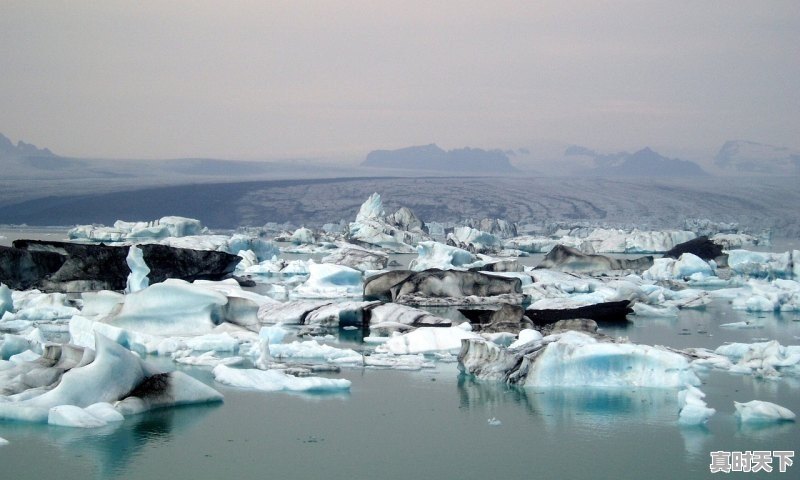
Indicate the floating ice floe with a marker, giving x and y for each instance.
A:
(474, 240)
(761, 264)
(390, 317)
(111, 373)
(357, 257)
(397, 362)
(427, 340)
(575, 359)
(763, 296)
(170, 226)
(330, 281)
(6, 300)
(767, 359)
(441, 256)
(758, 411)
(693, 409)
(275, 380)
(137, 279)
(311, 349)
(394, 233)
(636, 241)
(730, 241)
(688, 266)
(3, 441)
(303, 235)
(602, 240)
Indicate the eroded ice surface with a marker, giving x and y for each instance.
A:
(275, 380)
(757, 411)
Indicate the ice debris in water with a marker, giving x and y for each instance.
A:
(758, 411)
(275, 380)
(693, 409)
(494, 422)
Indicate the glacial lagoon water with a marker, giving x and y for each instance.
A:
(434, 423)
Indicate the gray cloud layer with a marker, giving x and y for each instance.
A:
(261, 79)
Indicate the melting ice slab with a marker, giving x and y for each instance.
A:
(113, 374)
(275, 380)
(579, 360)
(575, 359)
(758, 411)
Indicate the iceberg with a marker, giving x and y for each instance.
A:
(6, 300)
(137, 279)
(688, 266)
(358, 258)
(758, 411)
(330, 281)
(761, 264)
(72, 416)
(427, 340)
(693, 409)
(112, 374)
(275, 380)
(169, 226)
(580, 360)
(390, 317)
(474, 240)
(576, 359)
(311, 349)
(762, 296)
(302, 236)
(637, 241)
(293, 312)
(443, 257)
(372, 228)
(174, 307)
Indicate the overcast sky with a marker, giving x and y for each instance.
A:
(268, 79)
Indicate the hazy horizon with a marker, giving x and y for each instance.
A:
(248, 80)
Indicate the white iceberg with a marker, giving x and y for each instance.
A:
(688, 266)
(474, 240)
(761, 264)
(693, 409)
(137, 279)
(575, 359)
(427, 340)
(6, 300)
(72, 416)
(275, 380)
(372, 228)
(330, 281)
(311, 349)
(441, 256)
(758, 411)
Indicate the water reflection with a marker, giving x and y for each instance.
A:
(765, 431)
(696, 439)
(112, 448)
(597, 408)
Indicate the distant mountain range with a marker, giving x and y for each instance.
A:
(643, 163)
(432, 157)
(21, 149)
(754, 157)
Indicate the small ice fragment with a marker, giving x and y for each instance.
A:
(757, 411)
(494, 422)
